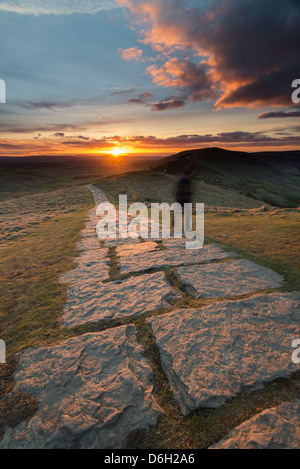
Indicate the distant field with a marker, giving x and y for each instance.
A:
(26, 176)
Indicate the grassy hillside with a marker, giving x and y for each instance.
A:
(151, 186)
(273, 178)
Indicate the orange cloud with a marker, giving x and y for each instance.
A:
(133, 53)
(248, 53)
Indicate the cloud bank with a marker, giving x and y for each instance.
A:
(241, 53)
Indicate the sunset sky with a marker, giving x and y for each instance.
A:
(148, 77)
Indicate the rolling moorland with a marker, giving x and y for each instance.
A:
(269, 177)
(252, 208)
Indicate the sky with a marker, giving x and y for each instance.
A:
(134, 77)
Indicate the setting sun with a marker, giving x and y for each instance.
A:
(118, 151)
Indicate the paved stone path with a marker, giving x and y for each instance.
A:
(95, 389)
(170, 258)
(92, 302)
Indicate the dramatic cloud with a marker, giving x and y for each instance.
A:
(279, 114)
(247, 51)
(184, 75)
(56, 7)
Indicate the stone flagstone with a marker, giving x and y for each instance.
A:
(99, 196)
(92, 391)
(88, 233)
(113, 242)
(175, 243)
(210, 354)
(88, 244)
(136, 249)
(92, 302)
(92, 266)
(230, 278)
(276, 428)
(171, 258)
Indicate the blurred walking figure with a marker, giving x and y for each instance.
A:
(184, 196)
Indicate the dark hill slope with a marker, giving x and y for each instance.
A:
(273, 177)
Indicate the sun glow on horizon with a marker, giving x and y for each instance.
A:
(118, 151)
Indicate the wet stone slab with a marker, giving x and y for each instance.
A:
(231, 278)
(276, 428)
(210, 354)
(92, 391)
(171, 258)
(106, 301)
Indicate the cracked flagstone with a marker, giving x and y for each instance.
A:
(92, 302)
(210, 354)
(92, 391)
(232, 278)
(92, 266)
(171, 258)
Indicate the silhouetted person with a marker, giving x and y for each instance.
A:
(183, 189)
(184, 194)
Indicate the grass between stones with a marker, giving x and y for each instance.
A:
(33, 299)
(206, 426)
(273, 241)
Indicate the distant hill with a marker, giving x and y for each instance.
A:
(271, 177)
